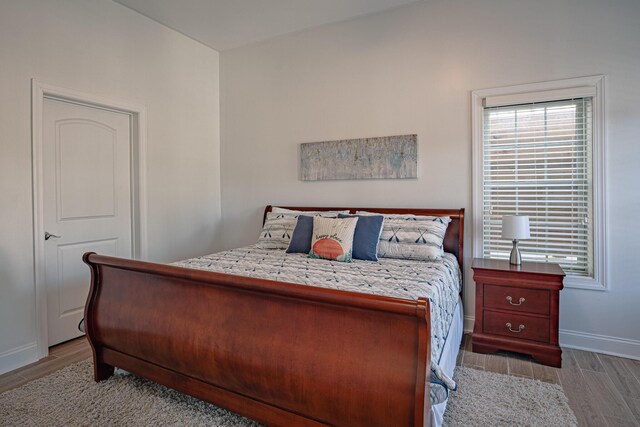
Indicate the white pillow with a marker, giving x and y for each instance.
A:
(276, 209)
(332, 238)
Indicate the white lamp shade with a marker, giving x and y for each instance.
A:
(515, 227)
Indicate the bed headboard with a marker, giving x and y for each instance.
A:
(453, 239)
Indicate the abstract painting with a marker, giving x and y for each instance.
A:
(388, 157)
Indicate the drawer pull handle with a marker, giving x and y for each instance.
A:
(520, 328)
(520, 301)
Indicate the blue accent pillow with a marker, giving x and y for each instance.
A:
(301, 237)
(366, 237)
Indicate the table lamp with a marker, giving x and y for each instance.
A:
(515, 227)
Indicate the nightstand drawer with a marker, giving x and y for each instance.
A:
(516, 299)
(516, 326)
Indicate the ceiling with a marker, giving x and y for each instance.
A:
(225, 24)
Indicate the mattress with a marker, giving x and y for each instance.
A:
(439, 395)
(438, 280)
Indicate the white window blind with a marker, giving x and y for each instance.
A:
(537, 161)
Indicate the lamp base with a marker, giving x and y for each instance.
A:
(515, 257)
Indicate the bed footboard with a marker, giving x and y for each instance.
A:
(280, 353)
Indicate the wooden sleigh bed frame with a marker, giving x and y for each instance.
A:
(282, 354)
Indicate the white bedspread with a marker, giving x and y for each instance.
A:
(440, 280)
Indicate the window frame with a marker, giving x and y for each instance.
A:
(537, 92)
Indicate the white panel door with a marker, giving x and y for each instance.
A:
(87, 203)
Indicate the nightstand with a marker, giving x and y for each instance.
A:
(517, 308)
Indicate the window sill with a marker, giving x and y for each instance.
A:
(586, 283)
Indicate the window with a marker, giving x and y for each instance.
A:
(537, 153)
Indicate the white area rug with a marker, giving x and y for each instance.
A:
(490, 399)
(70, 397)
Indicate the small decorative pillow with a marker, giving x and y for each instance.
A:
(301, 238)
(278, 228)
(367, 236)
(333, 238)
(412, 237)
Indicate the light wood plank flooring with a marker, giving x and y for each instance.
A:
(602, 390)
(59, 356)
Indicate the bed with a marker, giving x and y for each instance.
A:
(235, 329)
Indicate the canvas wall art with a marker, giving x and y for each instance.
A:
(388, 157)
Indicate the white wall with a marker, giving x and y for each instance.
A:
(105, 49)
(411, 70)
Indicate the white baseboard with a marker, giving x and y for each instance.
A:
(18, 357)
(468, 324)
(615, 346)
(604, 344)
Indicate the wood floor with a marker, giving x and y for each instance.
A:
(602, 390)
(59, 356)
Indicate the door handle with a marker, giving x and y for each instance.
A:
(48, 235)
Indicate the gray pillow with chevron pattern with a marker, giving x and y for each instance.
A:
(278, 228)
(412, 237)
